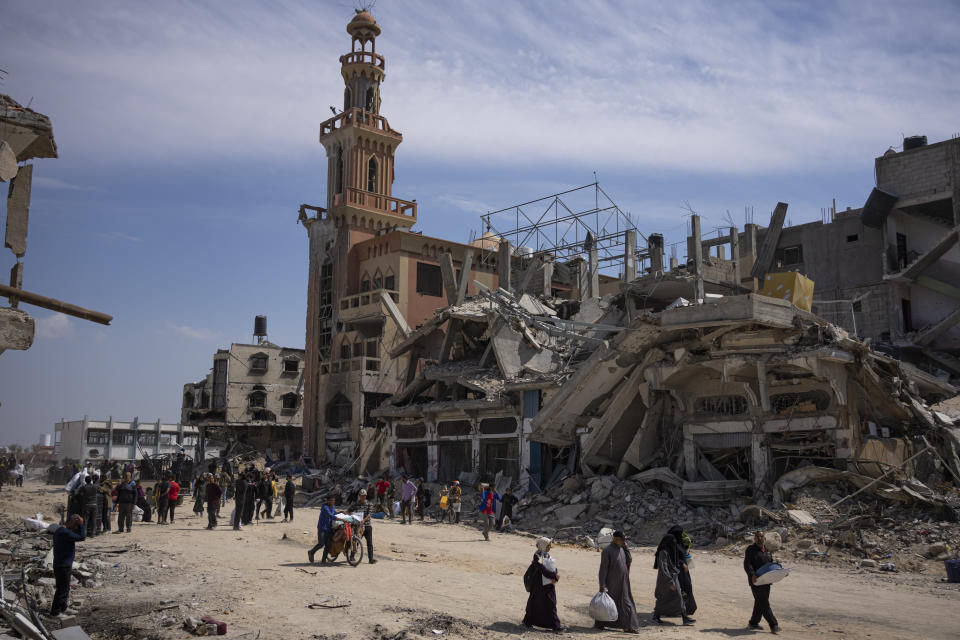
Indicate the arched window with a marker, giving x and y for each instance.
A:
(347, 99)
(372, 174)
(365, 283)
(339, 169)
(258, 399)
(377, 280)
(371, 100)
(290, 401)
(339, 411)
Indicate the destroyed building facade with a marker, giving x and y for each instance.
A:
(252, 395)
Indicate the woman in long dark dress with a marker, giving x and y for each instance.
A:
(542, 602)
(674, 590)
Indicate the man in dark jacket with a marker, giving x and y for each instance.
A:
(506, 507)
(239, 500)
(91, 509)
(126, 498)
(64, 550)
(212, 496)
(289, 491)
(755, 557)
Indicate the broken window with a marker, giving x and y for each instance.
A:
(785, 256)
(147, 439)
(372, 351)
(290, 401)
(454, 428)
(377, 281)
(98, 437)
(498, 425)
(204, 399)
(339, 412)
(371, 100)
(220, 383)
(389, 283)
(370, 402)
(429, 279)
(122, 437)
(257, 399)
(372, 175)
(347, 99)
(802, 402)
(357, 349)
(365, 284)
(291, 365)
(258, 362)
(345, 351)
(410, 431)
(709, 406)
(188, 399)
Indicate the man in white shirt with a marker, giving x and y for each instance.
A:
(20, 471)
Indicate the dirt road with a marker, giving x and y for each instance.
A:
(446, 578)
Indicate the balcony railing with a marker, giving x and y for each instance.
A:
(377, 202)
(369, 366)
(363, 57)
(367, 297)
(359, 118)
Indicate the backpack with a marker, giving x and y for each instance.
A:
(530, 576)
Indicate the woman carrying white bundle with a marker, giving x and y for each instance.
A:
(542, 603)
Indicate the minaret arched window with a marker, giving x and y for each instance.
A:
(347, 99)
(372, 167)
(339, 169)
(371, 100)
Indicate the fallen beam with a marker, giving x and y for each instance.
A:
(53, 304)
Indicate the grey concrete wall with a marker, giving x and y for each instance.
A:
(917, 172)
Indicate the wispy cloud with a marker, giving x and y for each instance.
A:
(120, 236)
(54, 327)
(194, 333)
(465, 204)
(46, 182)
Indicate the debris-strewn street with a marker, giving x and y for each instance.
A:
(440, 580)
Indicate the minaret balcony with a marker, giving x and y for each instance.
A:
(363, 57)
(358, 118)
(370, 201)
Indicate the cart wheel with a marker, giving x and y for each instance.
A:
(354, 551)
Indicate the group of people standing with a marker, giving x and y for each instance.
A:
(9, 465)
(256, 492)
(674, 587)
(95, 497)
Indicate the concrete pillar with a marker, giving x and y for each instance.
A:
(721, 252)
(83, 441)
(593, 273)
(578, 278)
(158, 436)
(759, 462)
(392, 446)
(547, 276)
(475, 452)
(673, 264)
(629, 256)
(526, 429)
(689, 455)
(697, 257)
(110, 438)
(505, 265)
(762, 385)
(735, 254)
(749, 240)
(655, 249)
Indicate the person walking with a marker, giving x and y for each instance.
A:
(408, 493)
(670, 562)
(65, 540)
(423, 498)
(173, 496)
(126, 498)
(454, 498)
(105, 502)
(488, 508)
(614, 577)
(249, 498)
(362, 508)
(289, 491)
(383, 485)
(212, 495)
(324, 530)
(21, 471)
(755, 557)
(239, 500)
(541, 608)
(89, 494)
(161, 495)
(199, 493)
(506, 508)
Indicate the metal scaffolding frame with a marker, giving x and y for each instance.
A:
(549, 226)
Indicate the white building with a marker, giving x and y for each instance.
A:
(111, 439)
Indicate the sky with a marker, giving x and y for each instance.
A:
(187, 135)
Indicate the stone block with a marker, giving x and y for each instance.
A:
(773, 541)
(569, 514)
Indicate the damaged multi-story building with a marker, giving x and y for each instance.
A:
(252, 395)
(534, 352)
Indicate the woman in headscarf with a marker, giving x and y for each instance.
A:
(542, 602)
(670, 562)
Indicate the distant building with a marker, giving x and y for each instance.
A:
(98, 440)
(251, 395)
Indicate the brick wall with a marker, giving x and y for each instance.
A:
(872, 319)
(917, 172)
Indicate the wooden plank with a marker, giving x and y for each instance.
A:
(770, 240)
(53, 304)
(449, 277)
(395, 314)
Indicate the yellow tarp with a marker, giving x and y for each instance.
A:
(791, 286)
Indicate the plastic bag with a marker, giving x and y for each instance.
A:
(603, 608)
(396, 508)
(550, 565)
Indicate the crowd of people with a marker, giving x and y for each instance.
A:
(11, 468)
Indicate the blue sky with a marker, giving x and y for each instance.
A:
(188, 138)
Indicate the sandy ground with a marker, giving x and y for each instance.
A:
(446, 578)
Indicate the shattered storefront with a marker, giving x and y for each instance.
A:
(731, 395)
